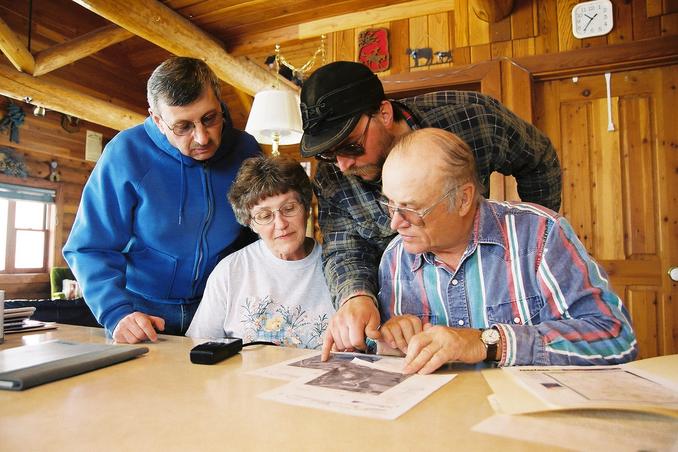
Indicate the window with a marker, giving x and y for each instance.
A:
(26, 216)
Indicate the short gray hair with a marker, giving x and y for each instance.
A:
(459, 163)
(180, 81)
(262, 177)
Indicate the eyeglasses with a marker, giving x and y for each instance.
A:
(414, 217)
(266, 216)
(181, 128)
(351, 149)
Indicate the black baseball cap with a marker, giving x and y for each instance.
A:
(332, 101)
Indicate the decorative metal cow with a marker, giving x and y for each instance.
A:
(423, 52)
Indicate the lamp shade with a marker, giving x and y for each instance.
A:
(275, 116)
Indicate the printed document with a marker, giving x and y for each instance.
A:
(356, 384)
(633, 386)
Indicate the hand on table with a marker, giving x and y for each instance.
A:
(354, 320)
(437, 345)
(138, 327)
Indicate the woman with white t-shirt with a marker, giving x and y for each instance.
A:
(274, 289)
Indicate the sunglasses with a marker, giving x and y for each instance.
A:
(348, 149)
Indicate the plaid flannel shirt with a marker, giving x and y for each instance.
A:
(356, 229)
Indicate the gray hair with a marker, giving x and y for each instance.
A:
(180, 81)
(262, 177)
(459, 163)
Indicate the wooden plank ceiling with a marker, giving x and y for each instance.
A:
(80, 56)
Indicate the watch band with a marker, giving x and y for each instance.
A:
(491, 353)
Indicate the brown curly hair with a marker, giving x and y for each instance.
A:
(262, 177)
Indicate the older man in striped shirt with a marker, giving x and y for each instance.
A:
(468, 279)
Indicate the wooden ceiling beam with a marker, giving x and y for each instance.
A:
(62, 54)
(53, 96)
(249, 42)
(15, 50)
(155, 22)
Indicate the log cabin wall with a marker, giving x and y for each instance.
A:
(42, 139)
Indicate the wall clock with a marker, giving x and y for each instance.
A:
(592, 18)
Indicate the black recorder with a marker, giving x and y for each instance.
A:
(215, 351)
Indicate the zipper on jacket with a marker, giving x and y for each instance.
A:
(208, 219)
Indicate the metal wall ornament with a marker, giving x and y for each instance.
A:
(54, 174)
(373, 49)
(427, 54)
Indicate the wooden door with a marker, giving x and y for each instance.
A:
(619, 186)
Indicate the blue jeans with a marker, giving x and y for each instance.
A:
(177, 316)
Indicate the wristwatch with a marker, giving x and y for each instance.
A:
(490, 337)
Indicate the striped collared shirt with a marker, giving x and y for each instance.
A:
(524, 272)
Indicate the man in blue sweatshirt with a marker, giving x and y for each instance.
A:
(154, 219)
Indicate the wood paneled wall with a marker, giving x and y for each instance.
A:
(534, 27)
(41, 140)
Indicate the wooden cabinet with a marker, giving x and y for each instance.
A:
(619, 186)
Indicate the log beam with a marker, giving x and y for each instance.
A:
(15, 50)
(159, 24)
(77, 48)
(51, 95)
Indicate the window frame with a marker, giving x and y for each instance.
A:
(53, 221)
(12, 230)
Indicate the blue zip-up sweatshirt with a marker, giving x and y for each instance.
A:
(152, 223)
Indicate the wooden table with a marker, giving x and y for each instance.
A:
(160, 401)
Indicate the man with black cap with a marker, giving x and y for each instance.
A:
(350, 126)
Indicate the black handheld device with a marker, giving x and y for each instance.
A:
(215, 351)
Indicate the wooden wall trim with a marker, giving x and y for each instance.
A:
(486, 72)
(24, 278)
(30, 182)
(595, 60)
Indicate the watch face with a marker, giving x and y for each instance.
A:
(489, 336)
(592, 18)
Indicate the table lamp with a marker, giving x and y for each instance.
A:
(275, 118)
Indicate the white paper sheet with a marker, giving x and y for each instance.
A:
(595, 386)
(589, 430)
(359, 385)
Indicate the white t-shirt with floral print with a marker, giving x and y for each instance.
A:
(254, 295)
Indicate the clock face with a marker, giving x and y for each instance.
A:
(592, 18)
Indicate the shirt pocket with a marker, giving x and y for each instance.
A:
(150, 273)
(507, 312)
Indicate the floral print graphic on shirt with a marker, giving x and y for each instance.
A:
(264, 319)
